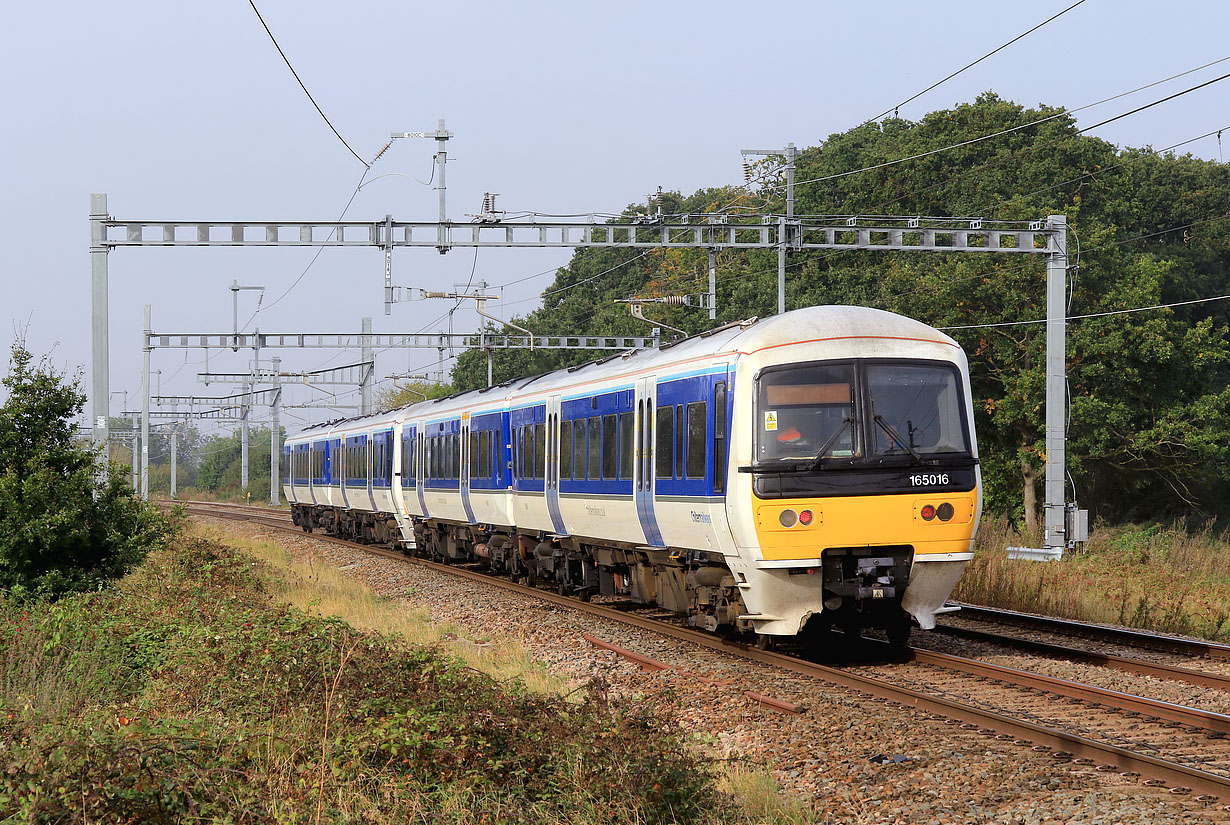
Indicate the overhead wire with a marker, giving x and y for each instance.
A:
(1092, 314)
(303, 86)
(976, 62)
(960, 144)
(1019, 127)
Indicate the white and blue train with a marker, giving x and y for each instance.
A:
(814, 468)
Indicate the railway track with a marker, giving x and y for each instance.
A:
(1182, 748)
(1190, 648)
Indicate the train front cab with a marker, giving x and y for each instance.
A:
(863, 491)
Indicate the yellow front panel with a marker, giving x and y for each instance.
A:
(857, 521)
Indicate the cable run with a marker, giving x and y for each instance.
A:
(1154, 103)
(1038, 122)
(319, 250)
(1094, 314)
(286, 59)
(976, 62)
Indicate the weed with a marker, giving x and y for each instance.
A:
(1172, 579)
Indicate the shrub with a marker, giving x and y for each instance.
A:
(62, 529)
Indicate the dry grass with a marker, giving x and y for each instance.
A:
(760, 801)
(1168, 579)
(319, 588)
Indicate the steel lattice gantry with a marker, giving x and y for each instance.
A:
(702, 232)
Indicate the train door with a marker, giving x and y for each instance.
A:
(643, 469)
(421, 464)
(463, 472)
(551, 472)
(314, 455)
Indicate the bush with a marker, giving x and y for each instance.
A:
(226, 707)
(61, 528)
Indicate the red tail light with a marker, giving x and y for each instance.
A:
(928, 512)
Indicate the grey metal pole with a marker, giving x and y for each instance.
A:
(488, 366)
(785, 230)
(1056, 382)
(791, 154)
(442, 159)
(712, 284)
(174, 458)
(235, 314)
(145, 356)
(781, 266)
(388, 264)
(136, 468)
(365, 340)
(275, 436)
(100, 369)
(243, 447)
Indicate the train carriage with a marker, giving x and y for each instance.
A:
(771, 476)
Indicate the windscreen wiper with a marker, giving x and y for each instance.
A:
(895, 436)
(818, 461)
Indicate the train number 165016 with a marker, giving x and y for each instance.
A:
(928, 479)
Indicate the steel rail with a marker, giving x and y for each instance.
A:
(1156, 670)
(1136, 638)
(989, 722)
(1194, 717)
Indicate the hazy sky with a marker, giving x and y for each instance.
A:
(185, 111)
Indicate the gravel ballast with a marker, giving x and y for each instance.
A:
(927, 771)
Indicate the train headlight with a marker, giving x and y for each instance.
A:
(945, 511)
(805, 517)
(928, 512)
(788, 518)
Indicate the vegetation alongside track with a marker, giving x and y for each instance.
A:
(189, 691)
(1165, 579)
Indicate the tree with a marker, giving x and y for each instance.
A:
(1149, 393)
(61, 529)
(399, 395)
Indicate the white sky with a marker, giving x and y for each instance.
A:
(185, 111)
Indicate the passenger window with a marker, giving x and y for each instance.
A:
(627, 444)
(696, 440)
(578, 448)
(681, 433)
(473, 454)
(595, 447)
(565, 450)
(610, 441)
(540, 450)
(665, 442)
(527, 451)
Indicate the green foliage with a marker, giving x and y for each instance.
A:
(1149, 428)
(221, 465)
(231, 708)
(400, 395)
(61, 529)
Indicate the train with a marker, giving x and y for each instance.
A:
(769, 478)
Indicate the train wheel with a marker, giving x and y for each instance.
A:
(898, 631)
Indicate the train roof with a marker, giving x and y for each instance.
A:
(743, 337)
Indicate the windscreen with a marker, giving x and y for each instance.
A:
(915, 408)
(806, 412)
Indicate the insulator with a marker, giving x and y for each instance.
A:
(676, 300)
(382, 151)
(747, 171)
